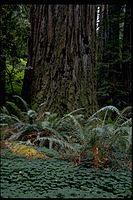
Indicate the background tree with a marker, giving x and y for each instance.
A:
(2, 66)
(13, 36)
(126, 56)
(112, 75)
(2, 79)
(61, 63)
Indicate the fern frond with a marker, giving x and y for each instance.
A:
(6, 118)
(15, 118)
(74, 111)
(4, 110)
(80, 117)
(23, 101)
(22, 130)
(77, 124)
(32, 113)
(50, 116)
(56, 133)
(40, 106)
(127, 110)
(45, 124)
(18, 125)
(119, 134)
(95, 119)
(112, 108)
(3, 125)
(16, 109)
(62, 119)
(124, 142)
(127, 122)
(66, 127)
(128, 139)
(63, 143)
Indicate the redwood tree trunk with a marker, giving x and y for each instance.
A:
(61, 65)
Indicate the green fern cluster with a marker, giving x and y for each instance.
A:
(20, 122)
(72, 131)
(82, 137)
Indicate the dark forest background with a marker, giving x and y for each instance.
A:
(109, 49)
(65, 98)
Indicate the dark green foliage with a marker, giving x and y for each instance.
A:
(2, 78)
(71, 131)
(15, 28)
(14, 77)
(80, 137)
(25, 178)
(114, 56)
(55, 177)
(60, 178)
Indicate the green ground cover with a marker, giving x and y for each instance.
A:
(55, 178)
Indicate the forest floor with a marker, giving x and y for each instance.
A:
(56, 178)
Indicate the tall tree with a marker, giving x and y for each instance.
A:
(111, 75)
(61, 64)
(126, 56)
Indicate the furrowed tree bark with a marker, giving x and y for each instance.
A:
(62, 58)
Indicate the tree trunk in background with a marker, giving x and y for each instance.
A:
(114, 55)
(101, 26)
(126, 55)
(62, 58)
(111, 76)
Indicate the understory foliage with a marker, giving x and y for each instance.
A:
(52, 178)
(99, 138)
